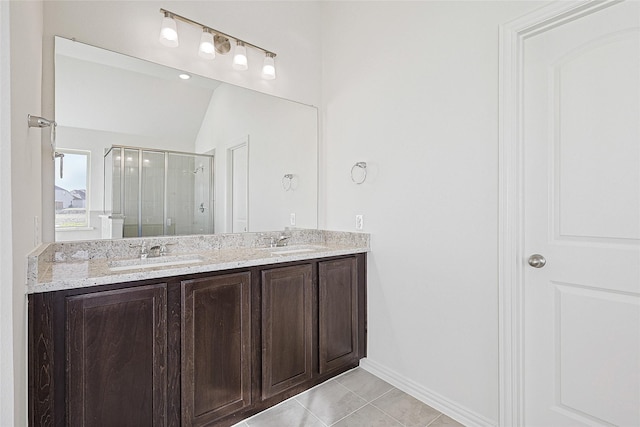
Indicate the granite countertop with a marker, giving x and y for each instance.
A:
(69, 265)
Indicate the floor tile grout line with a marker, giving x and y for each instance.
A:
(315, 415)
(403, 424)
(384, 394)
(364, 398)
(384, 412)
(322, 423)
(389, 415)
(356, 393)
(434, 420)
(309, 411)
(349, 414)
(367, 401)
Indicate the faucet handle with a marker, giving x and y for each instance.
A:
(163, 248)
(143, 250)
(270, 241)
(282, 240)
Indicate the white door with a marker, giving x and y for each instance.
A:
(581, 127)
(239, 156)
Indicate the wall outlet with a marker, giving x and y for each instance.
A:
(292, 219)
(359, 222)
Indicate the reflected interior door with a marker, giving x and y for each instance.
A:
(582, 214)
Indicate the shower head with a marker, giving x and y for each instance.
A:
(198, 169)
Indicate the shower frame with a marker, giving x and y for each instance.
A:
(166, 154)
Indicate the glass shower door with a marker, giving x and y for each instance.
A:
(131, 190)
(189, 194)
(152, 195)
(159, 192)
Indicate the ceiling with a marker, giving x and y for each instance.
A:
(101, 90)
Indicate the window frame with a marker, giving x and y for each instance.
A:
(87, 203)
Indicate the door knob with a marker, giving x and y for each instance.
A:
(537, 261)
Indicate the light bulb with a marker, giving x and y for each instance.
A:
(169, 31)
(269, 67)
(240, 57)
(206, 49)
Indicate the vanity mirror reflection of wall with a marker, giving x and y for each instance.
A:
(105, 99)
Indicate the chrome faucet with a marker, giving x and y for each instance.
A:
(155, 251)
(152, 252)
(159, 250)
(282, 241)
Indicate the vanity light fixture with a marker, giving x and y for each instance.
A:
(268, 67)
(206, 50)
(240, 57)
(169, 30)
(213, 41)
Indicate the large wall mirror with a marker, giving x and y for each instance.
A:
(147, 150)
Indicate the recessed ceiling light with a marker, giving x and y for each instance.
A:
(184, 76)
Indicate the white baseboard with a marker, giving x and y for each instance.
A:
(448, 407)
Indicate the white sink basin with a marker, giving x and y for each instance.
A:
(293, 249)
(162, 261)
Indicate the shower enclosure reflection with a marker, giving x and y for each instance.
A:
(157, 193)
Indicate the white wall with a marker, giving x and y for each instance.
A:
(6, 249)
(282, 140)
(412, 88)
(25, 204)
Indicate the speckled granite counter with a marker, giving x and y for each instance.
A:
(68, 265)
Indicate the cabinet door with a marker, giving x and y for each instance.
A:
(287, 329)
(116, 357)
(338, 313)
(216, 347)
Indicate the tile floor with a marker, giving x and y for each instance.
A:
(354, 399)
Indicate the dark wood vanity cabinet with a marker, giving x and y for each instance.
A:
(216, 344)
(116, 357)
(338, 315)
(287, 315)
(204, 350)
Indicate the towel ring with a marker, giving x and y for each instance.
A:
(363, 167)
(286, 181)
